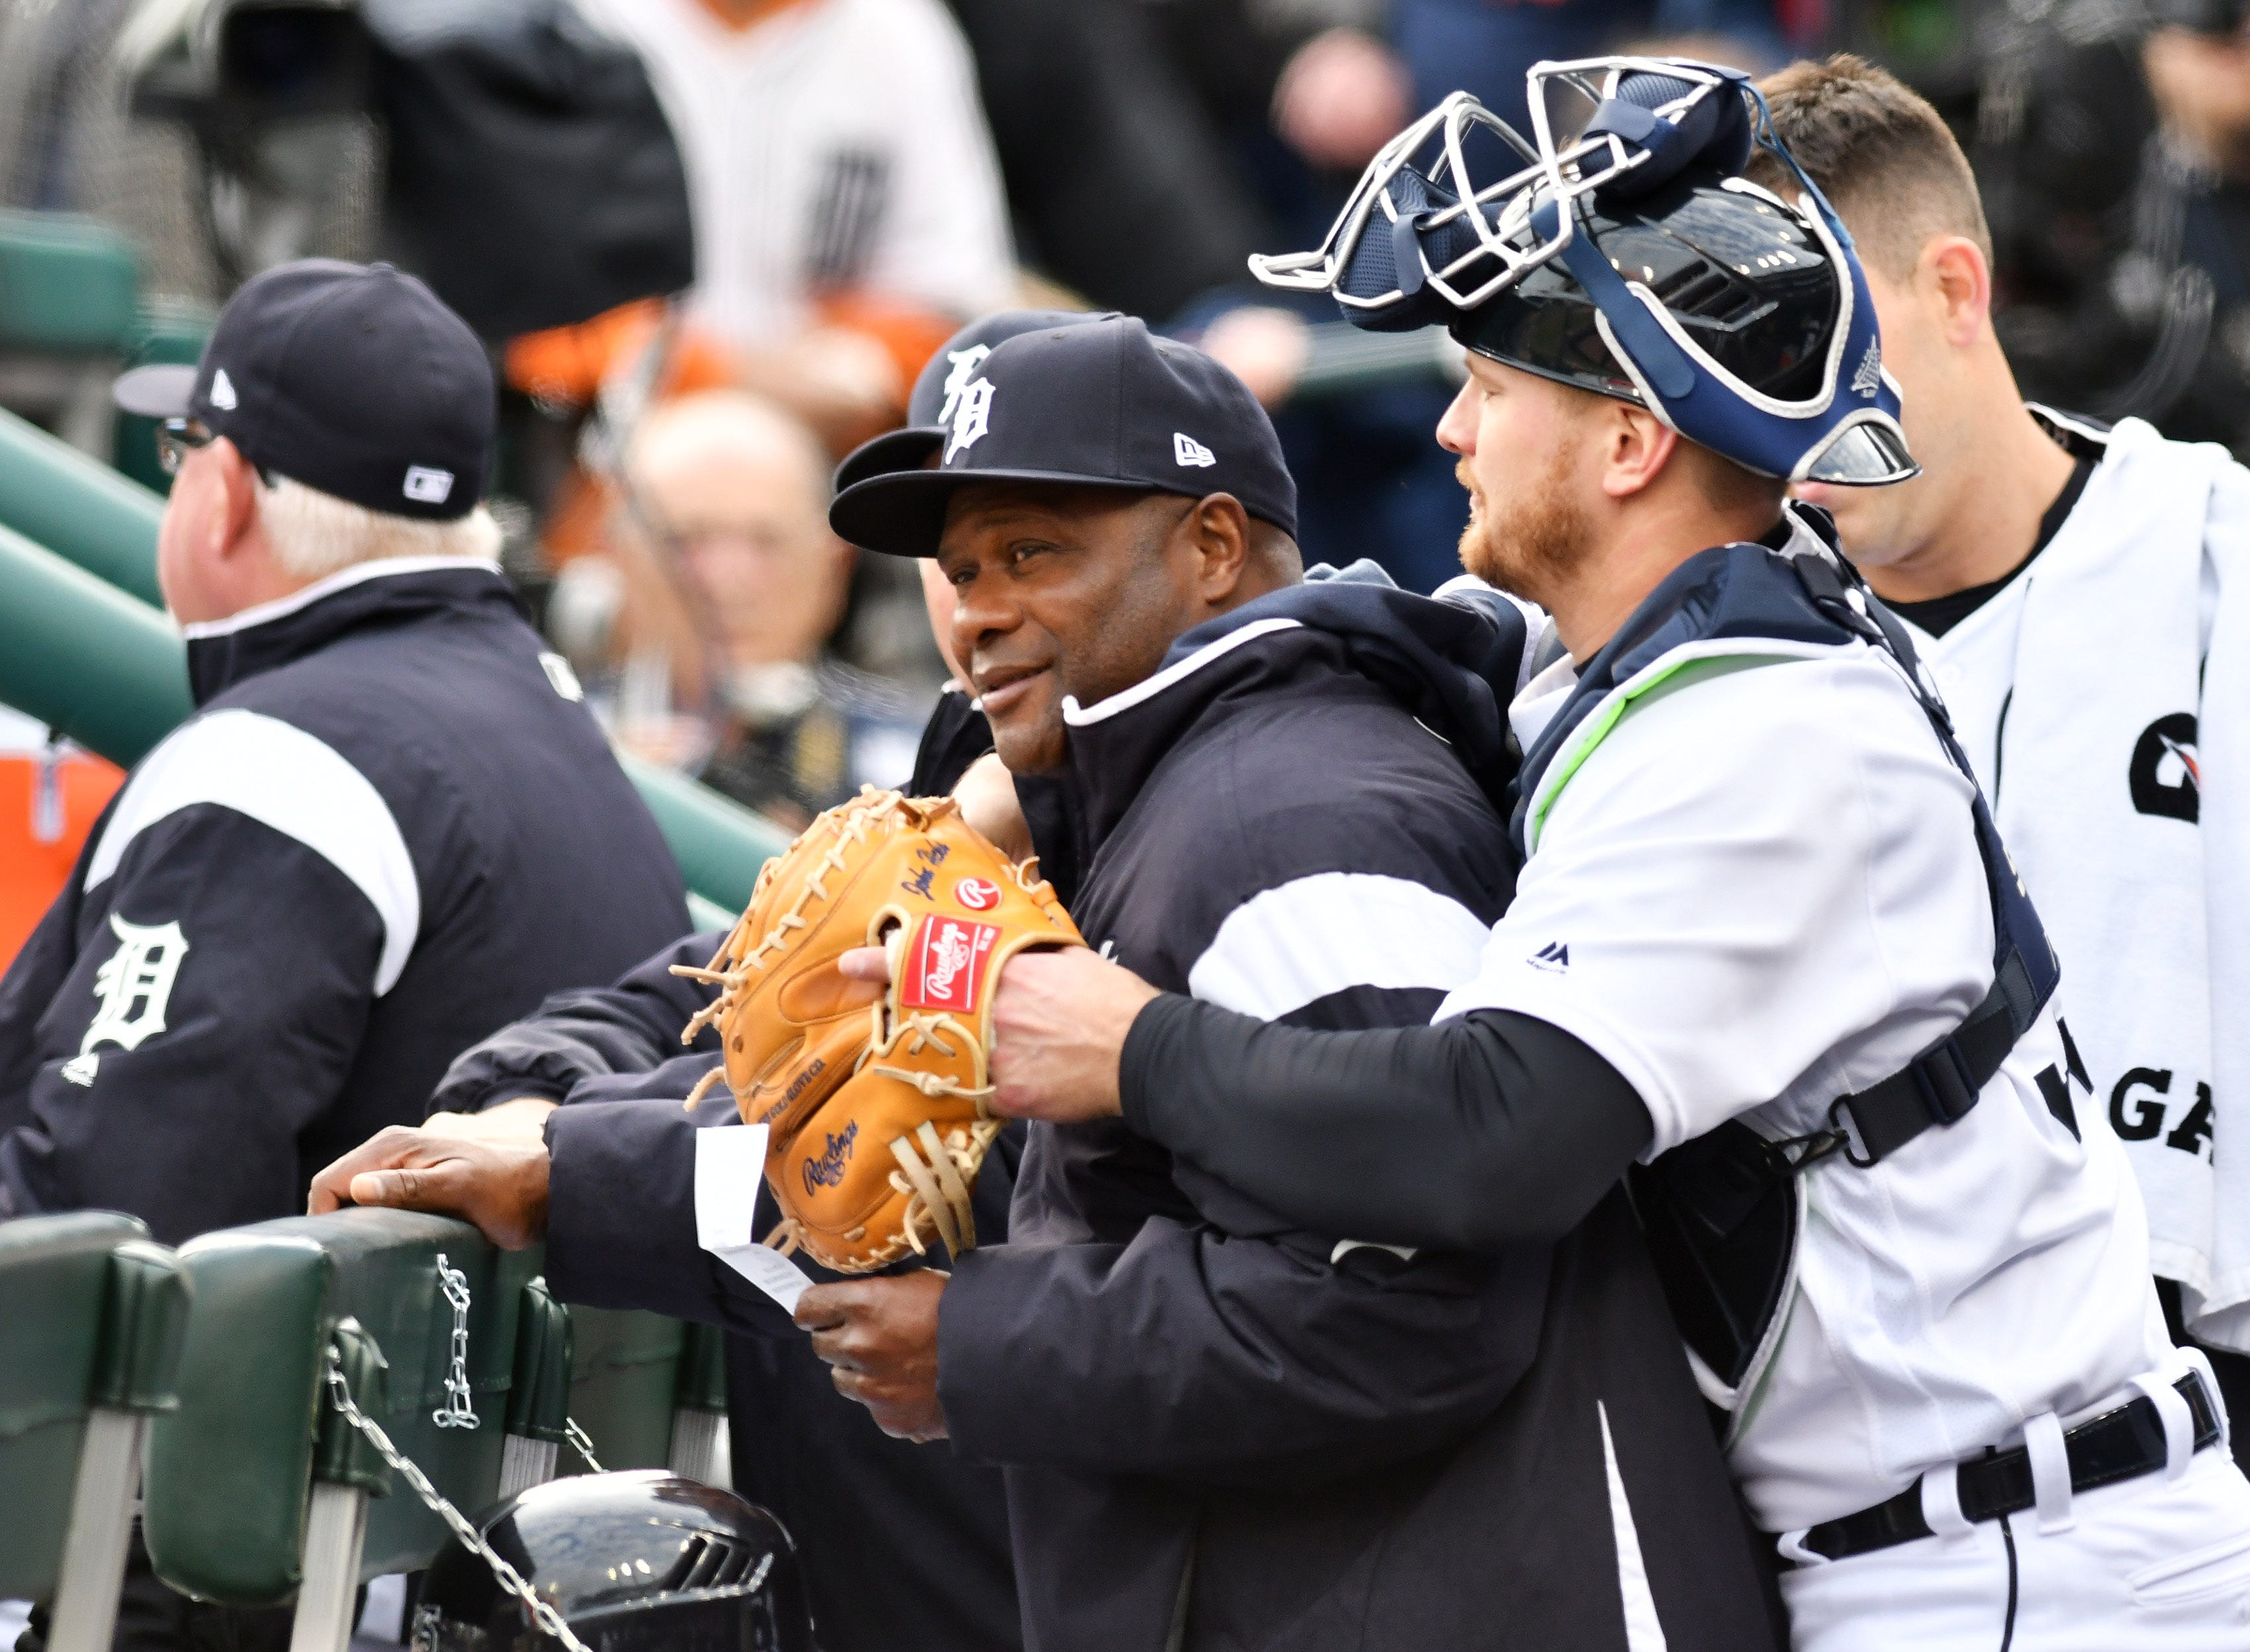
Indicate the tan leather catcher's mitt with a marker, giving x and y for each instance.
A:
(876, 1112)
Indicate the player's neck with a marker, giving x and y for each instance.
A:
(2003, 485)
(1644, 549)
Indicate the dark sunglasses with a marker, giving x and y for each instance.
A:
(177, 438)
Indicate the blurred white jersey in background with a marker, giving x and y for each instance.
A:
(833, 145)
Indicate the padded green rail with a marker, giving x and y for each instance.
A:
(91, 1315)
(78, 508)
(83, 656)
(624, 1373)
(68, 284)
(229, 1472)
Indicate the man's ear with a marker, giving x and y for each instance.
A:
(1955, 278)
(236, 523)
(1636, 445)
(1218, 528)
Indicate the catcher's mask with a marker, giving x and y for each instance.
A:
(630, 1561)
(1633, 262)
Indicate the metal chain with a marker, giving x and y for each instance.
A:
(580, 1444)
(459, 1412)
(544, 1614)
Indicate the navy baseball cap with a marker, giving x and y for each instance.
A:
(352, 379)
(1098, 402)
(929, 407)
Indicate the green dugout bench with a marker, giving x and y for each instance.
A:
(260, 1489)
(90, 1317)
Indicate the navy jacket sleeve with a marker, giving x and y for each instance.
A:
(194, 1032)
(1192, 1356)
(621, 1228)
(627, 1029)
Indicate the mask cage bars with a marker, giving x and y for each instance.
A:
(1499, 214)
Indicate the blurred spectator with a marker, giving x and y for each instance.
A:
(1487, 48)
(2112, 156)
(1306, 91)
(705, 630)
(1342, 96)
(1121, 183)
(847, 204)
(2201, 84)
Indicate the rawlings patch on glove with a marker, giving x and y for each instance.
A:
(874, 1101)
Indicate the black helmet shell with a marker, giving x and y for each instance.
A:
(630, 1561)
(1747, 281)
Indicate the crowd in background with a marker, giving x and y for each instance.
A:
(862, 174)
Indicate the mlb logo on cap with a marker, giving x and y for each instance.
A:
(427, 485)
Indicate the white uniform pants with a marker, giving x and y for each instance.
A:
(2150, 1564)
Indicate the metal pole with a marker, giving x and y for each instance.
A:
(719, 845)
(84, 658)
(78, 508)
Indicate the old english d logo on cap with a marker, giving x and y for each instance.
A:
(972, 417)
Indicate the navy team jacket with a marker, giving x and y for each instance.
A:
(1215, 1426)
(390, 830)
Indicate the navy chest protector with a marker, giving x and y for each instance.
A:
(1721, 1211)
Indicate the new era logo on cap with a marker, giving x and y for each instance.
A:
(1187, 450)
(428, 486)
(222, 391)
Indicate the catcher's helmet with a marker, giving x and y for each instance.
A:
(1634, 263)
(629, 1561)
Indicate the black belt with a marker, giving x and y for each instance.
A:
(2118, 1445)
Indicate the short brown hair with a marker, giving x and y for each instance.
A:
(1884, 158)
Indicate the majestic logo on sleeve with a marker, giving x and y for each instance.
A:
(972, 417)
(134, 987)
(2163, 776)
(945, 964)
(1554, 957)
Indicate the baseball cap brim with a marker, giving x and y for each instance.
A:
(907, 450)
(902, 513)
(160, 392)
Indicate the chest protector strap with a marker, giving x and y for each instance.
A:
(1940, 1086)
(1722, 1212)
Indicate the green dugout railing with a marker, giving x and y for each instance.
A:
(84, 648)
